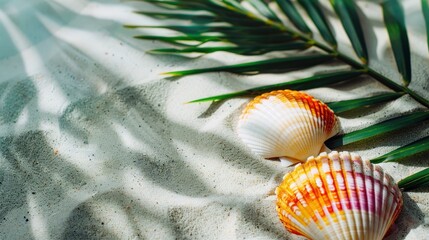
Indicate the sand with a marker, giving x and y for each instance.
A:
(94, 144)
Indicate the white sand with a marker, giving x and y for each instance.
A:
(95, 145)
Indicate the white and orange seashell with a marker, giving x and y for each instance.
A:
(338, 196)
(287, 124)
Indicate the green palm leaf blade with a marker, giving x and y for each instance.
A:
(271, 65)
(419, 146)
(347, 105)
(264, 10)
(229, 11)
(179, 39)
(377, 129)
(174, 4)
(245, 50)
(198, 18)
(395, 23)
(233, 38)
(293, 15)
(313, 9)
(188, 5)
(425, 9)
(199, 29)
(346, 10)
(299, 84)
(217, 14)
(419, 179)
(235, 5)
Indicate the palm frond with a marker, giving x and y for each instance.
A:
(378, 129)
(395, 23)
(197, 18)
(270, 65)
(243, 50)
(419, 179)
(346, 10)
(293, 15)
(347, 105)
(314, 11)
(419, 146)
(299, 84)
(223, 38)
(259, 29)
(264, 10)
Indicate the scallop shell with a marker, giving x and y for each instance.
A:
(338, 196)
(288, 124)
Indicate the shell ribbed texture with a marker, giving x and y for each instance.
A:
(286, 123)
(338, 196)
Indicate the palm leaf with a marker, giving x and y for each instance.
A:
(314, 11)
(264, 10)
(347, 105)
(395, 23)
(198, 29)
(414, 181)
(419, 146)
(378, 129)
(346, 10)
(300, 84)
(244, 50)
(271, 65)
(197, 18)
(231, 38)
(290, 11)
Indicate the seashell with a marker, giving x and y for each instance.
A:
(338, 196)
(288, 124)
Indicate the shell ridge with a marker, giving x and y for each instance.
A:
(392, 201)
(385, 194)
(347, 196)
(283, 209)
(340, 192)
(274, 140)
(397, 205)
(306, 148)
(369, 178)
(378, 199)
(362, 193)
(334, 198)
(306, 129)
(315, 204)
(298, 114)
(325, 124)
(319, 215)
(265, 117)
(256, 132)
(389, 201)
(317, 129)
(356, 198)
(290, 210)
(257, 128)
(323, 201)
(312, 172)
(317, 218)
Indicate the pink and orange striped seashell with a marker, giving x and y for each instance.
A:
(338, 196)
(286, 124)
